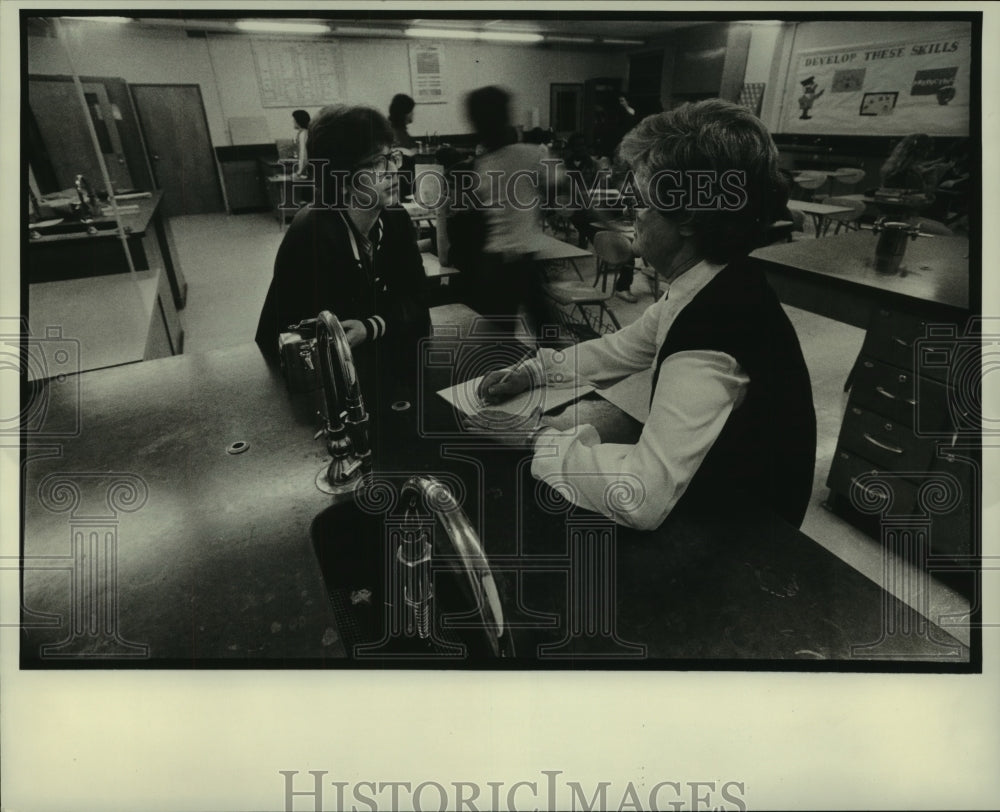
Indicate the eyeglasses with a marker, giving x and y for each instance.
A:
(380, 163)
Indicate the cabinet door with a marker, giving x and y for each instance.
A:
(62, 122)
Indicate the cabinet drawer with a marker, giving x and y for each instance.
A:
(847, 467)
(952, 532)
(901, 338)
(884, 442)
(895, 393)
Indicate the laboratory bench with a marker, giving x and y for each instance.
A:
(172, 519)
(60, 248)
(906, 469)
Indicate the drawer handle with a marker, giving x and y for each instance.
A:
(864, 489)
(890, 448)
(901, 342)
(885, 393)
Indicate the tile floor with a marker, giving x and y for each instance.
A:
(228, 263)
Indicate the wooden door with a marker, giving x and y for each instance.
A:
(175, 130)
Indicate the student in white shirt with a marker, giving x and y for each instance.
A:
(731, 418)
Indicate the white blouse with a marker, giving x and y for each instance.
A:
(696, 391)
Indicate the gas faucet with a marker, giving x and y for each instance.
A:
(465, 556)
(88, 200)
(346, 434)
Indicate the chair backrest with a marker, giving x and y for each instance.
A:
(932, 227)
(857, 208)
(613, 247)
(849, 175)
(428, 185)
(810, 179)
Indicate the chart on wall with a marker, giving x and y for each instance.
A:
(427, 73)
(881, 89)
(293, 73)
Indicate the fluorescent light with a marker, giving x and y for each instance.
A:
(559, 38)
(360, 31)
(441, 33)
(268, 27)
(118, 20)
(454, 33)
(611, 41)
(509, 36)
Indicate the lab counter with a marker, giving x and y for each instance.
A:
(70, 249)
(171, 519)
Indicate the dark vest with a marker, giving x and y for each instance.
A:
(766, 452)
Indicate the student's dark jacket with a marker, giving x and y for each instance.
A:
(315, 270)
(766, 452)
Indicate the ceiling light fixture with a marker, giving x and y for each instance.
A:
(560, 38)
(613, 41)
(117, 20)
(361, 31)
(268, 27)
(454, 33)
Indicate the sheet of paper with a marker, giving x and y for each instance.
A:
(463, 397)
(631, 394)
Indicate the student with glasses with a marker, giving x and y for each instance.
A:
(731, 421)
(354, 252)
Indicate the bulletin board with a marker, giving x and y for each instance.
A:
(298, 73)
(891, 88)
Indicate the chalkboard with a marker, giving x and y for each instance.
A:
(297, 73)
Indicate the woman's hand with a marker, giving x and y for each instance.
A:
(355, 332)
(503, 384)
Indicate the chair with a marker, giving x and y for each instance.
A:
(614, 253)
(848, 176)
(932, 227)
(809, 181)
(582, 311)
(846, 220)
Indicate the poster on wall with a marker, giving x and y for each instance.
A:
(427, 73)
(293, 73)
(882, 89)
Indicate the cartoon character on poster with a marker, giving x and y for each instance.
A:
(810, 92)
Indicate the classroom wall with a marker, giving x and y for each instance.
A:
(373, 71)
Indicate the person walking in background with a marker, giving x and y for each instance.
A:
(509, 174)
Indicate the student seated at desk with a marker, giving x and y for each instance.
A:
(354, 252)
(731, 418)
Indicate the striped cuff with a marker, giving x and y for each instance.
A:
(375, 327)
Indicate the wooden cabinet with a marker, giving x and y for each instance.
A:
(244, 177)
(900, 460)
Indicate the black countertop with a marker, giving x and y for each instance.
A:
(147, 543)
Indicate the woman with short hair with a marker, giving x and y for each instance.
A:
(354, 252)
(731, 419)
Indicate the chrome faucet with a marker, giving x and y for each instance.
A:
(465, 557)
(88, 200)
(346, 424)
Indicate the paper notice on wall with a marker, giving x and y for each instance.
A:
(882, 89)
(293, 73)
(427, 73)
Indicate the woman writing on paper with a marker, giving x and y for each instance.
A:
(731, 418)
